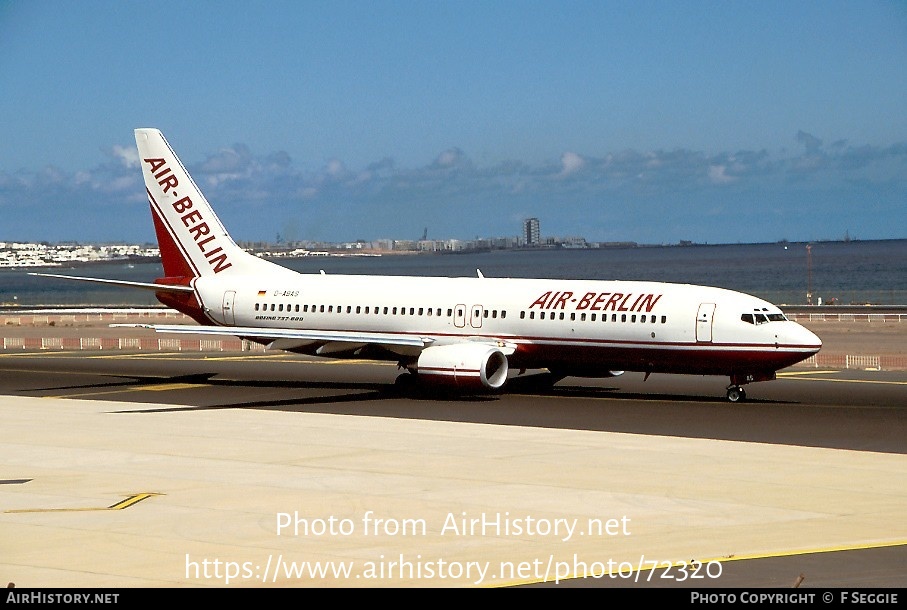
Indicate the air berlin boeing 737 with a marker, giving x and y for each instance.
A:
(463, 333)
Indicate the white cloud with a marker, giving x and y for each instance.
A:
(571, 163)
(129, 156)
(335, 168)
(717, 175)
(449, 158)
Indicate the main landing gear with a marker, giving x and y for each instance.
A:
(735, 393)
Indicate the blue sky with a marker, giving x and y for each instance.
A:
(650, 121)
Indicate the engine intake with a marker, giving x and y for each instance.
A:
(468, 366)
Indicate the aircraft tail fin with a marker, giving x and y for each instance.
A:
(191, 238)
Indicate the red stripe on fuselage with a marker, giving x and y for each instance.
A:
(688, 359)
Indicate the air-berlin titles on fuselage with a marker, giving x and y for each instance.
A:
(597, 301)
(191, 217)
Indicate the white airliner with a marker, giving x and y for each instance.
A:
(462, 333)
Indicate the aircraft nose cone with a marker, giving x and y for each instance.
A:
(808, 338)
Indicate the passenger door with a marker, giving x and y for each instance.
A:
(704, 322)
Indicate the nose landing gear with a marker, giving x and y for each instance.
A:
(735, 393)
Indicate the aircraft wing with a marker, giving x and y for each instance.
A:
(288, 338)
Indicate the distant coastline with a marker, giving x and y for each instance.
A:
(839, 272)
(295, 251)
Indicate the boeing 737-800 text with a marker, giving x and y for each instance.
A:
(465, 333)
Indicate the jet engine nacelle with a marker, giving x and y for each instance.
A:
(468, 366)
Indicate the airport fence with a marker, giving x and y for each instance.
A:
(70, 318)
(135, 344)
(856, 362)
(175, 345)
(847, 317)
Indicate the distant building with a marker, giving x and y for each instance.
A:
(531, 232)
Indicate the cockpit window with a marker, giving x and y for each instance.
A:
(762, 318)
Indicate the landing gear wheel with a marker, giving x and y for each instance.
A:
(736, 394)
(405, 383)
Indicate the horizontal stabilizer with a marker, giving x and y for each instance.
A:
(141, 285)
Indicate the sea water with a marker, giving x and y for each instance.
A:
(844, 273)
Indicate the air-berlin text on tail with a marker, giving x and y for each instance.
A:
(597, 301)
(190, 216)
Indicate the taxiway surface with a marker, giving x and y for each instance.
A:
(184, 470)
